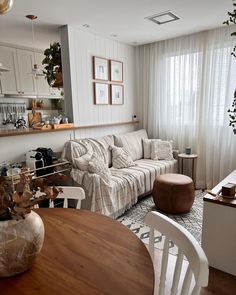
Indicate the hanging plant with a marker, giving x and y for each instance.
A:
(53, 68)
(232, 111)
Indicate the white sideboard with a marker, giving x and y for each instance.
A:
(219, 229)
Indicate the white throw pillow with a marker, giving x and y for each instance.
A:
(161, 150)
(121, 158)
(83, 161)
(147, 147)
(98, 166)
(132, 142)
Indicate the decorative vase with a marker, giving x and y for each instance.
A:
(59, 80)
(20, 242)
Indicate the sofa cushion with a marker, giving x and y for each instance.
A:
(83, 161)
(96, 165)
(151, 169)
(147, 144)
(161, 150)
(132, 141)
(121, 157)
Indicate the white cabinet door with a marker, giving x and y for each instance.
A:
(25, 60)
(41, 82)
(9, 80)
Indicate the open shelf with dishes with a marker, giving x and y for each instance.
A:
(22, 112)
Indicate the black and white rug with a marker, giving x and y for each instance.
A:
(192, 221)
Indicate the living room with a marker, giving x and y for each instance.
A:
(133, 72)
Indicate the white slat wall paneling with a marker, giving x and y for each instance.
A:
(80, 47)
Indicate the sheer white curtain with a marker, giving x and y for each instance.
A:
(186, 86)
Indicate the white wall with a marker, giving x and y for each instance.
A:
(22, 35)
(13, 148)
(78, 79)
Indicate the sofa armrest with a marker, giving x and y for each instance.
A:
(175, 154)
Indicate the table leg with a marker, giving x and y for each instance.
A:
(182, 166)
(193, 173)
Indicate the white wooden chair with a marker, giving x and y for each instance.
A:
(187, 246)
(69, 192)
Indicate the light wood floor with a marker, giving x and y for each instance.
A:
(220, 283)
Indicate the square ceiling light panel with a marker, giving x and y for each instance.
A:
(162, 18)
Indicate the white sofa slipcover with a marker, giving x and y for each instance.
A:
(127, 184)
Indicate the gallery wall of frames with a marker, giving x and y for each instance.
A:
(108, 81)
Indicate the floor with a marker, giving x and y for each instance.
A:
(220, 283)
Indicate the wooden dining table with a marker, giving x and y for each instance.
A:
(85, 253)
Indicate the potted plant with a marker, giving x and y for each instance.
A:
(232, 111)
(53, 68)
(21, 230)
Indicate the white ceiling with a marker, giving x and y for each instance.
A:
(124, 18)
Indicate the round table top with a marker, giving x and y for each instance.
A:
(186, 156)
(85, 253)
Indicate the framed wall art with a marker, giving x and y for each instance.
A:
(116, 71)
(100, 68)
(117, 94)
(101, 93)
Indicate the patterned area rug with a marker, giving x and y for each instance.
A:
(192, 221)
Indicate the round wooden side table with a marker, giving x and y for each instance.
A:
(193, 159)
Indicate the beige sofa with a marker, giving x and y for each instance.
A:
(126, 184)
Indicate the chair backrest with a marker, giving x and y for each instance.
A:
(69, 192)
(187, 246)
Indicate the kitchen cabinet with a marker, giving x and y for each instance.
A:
(19, 80)
(9, 80)
(25, 61)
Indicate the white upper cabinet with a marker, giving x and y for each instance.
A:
(19, 79)
(43, 88)
(25, 59)
(9, 80)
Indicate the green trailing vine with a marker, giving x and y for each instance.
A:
(232, 111)
(52, 61)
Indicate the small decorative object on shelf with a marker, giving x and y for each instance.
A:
(228, 190)
(22, 230)
(40, 104)
(188, 151)
(34, 118)
(33, 104)
(21, 123)
(62, 126)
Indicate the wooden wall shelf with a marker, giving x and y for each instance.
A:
(28, 131)
(107, 124)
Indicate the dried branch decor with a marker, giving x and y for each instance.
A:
(16, 200)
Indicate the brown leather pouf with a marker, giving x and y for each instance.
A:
(173, 193)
